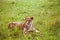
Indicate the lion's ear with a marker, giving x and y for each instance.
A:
(32, 18)
(25, 18)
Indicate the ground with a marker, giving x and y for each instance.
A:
(46, 15)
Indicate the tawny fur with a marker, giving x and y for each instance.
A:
(23, 25)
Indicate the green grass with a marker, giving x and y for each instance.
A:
(46, 19)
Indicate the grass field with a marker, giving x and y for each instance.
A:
(46, 15)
